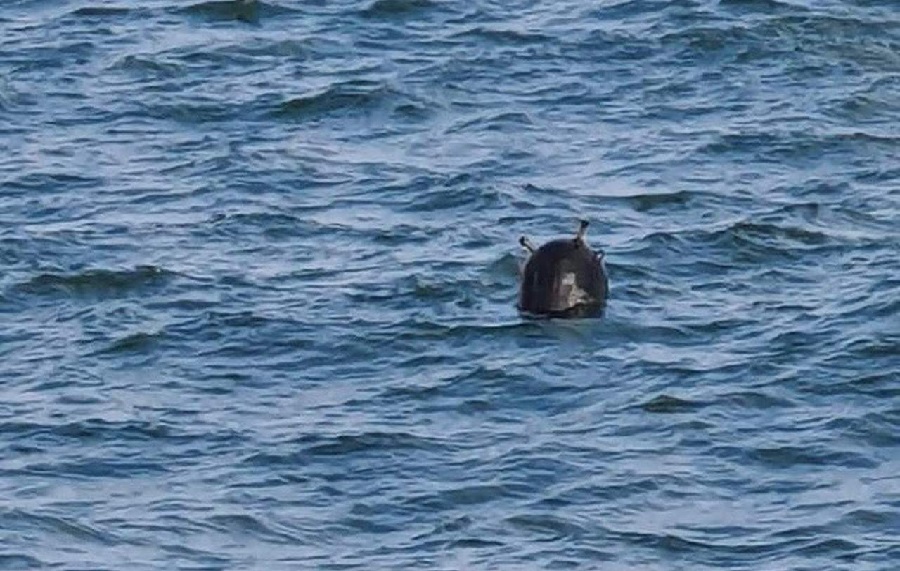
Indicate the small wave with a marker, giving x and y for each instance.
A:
(343, 444)
(393, 8)
(100, 11)
(244, 525)
(618, 44)
(248, 11)
(703, 40)
(93, 468)
(51, 182)
(89, 430)
(761, 232)
(82, 532)
(134, 343)
(241, 319)
(271, 224)
(768, 145)
(648, 202)
(96, 282)
(505, 36)
(474, 543)
(867, 519)
(148, 66)
(512, 121)
(755, 400)
(465, 495)
(365, 442)
(765, 6)
(743, 241)
(886, 140)
(414, 286)
(552, 527)
(831, 547)
(8, 95)
(786, 457)
(473, 494)
(500, 271)
(413, 111)
(874, 429)
(350, 96)
(866, 105)
(666, 404)
(357, 525)
(417, 330)
(13, 561)
(451, 195)
(197, 111)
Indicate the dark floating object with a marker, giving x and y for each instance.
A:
(563, 278)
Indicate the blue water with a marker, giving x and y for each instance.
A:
(258, 275)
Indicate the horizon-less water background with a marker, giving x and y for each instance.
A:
(258, 272)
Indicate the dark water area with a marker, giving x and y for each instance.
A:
(258, 271)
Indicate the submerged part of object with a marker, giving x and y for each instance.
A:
(563, 278)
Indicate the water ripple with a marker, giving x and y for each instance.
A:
(258, 270)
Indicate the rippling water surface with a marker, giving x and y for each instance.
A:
(258, 270)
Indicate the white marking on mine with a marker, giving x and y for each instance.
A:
(575, 294)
